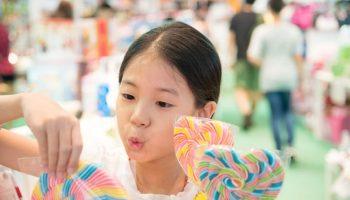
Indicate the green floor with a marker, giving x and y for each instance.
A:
(305, 180)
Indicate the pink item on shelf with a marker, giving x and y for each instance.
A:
(303, 16)
(336, 122)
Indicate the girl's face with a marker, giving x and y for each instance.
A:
(152, 96)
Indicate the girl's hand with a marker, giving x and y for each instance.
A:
(57, 133)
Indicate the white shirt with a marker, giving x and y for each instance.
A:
(113, 158)
(276, 46)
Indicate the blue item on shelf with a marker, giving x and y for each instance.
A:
(102, 105)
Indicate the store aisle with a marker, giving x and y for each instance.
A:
(305, 180)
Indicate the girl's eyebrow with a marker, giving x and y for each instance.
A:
(160, 89)
(168, 90)
(127, 82)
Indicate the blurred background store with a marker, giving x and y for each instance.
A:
(71, 50)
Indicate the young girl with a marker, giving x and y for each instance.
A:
(169, 71)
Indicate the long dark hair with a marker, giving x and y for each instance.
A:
(189, 51)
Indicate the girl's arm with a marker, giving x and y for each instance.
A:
(13, 146)
(57, 132)
(255, 61)
(299, 63)
(255, 49)
(10, 107)
(232, 43)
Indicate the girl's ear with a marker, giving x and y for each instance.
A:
(208, 110)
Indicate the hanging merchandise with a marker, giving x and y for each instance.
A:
(303, 16)
(6, 68)
(95, 40)
(102, 37)
(88, 38)
(102, 105)
(330, 88)
(341, 67)
(338, 173)
(15, 15)
(54, 35)
(100, 88)
(102, 91)
(326, 22)
(344, 35)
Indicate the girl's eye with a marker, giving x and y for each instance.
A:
(164, 104)
(128, 96)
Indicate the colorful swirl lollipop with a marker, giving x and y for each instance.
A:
(226, 174)
(190, 132)
(89, 182)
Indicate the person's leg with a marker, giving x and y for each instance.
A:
(242, 91)
(242, 98)
(254, 90)
(255, 96)
(244, 105)
(276, 116)
(288, 116)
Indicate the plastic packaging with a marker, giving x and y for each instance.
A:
(30, 165)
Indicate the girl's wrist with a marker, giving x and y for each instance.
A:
(11, 106)
(21, 100)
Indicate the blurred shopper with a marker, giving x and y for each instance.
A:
(104, 10)
(343, 12)
(219, 13)
(246, 74)
(64, 10)
(276, 47)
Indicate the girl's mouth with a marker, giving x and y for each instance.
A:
(135, 143)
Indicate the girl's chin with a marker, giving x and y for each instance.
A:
(137, 156)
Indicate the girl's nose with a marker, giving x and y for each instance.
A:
(140, 116)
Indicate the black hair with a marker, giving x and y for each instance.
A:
(189, 51)
(276, 5)
(250, 2)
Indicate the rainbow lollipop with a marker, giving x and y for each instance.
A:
(89, 182)
(190, 132)
(226, 174)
